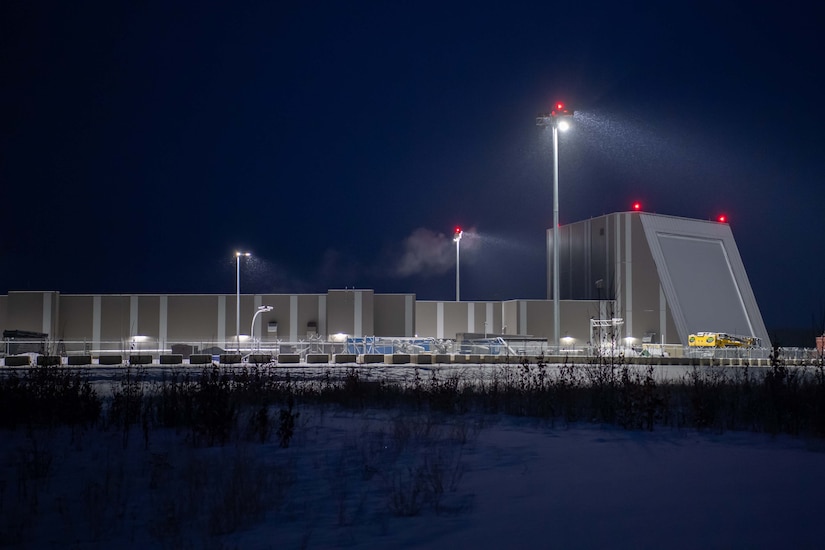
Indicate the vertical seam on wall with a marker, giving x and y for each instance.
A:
(359, 312)
(322, 315)
(257, 301)
(471, 317)
(222, 321)
(47, 315)
(439, 320)
(293, 318)
(96, 307)
(163, 321)
(133, 316)
(628, 281)
(408, 316)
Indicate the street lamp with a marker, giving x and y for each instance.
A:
(557, 119)
(238, 297)
(261, 309)
(457, 239)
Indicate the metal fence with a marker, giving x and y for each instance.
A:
(493, 346)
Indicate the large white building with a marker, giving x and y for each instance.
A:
(662, 277)
(668, 277)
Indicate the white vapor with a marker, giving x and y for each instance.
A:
(426, 252)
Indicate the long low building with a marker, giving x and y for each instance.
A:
(632, 275)
(209, 319)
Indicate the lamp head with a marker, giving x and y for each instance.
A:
(559, 117)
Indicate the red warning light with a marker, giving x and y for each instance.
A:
(559, 106)
(637, 205)
(722, 219)
(457, 230)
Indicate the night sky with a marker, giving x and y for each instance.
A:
(142, 143)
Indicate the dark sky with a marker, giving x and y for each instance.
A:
(142, 143)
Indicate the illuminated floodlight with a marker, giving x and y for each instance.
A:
(557, 119)
(238, 256)
(457, 239)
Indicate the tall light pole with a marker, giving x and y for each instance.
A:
(457, 239)
(261, 309)
(557, 119)
(238, 297)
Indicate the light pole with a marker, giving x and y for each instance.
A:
(261, 309)
(457, 239)
(557, 119)
(238, 297)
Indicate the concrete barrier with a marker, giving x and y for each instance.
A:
(140, 359)
(317, 358)
(77, 360)
(200, 359)
(230, 358)
(48, 360)
(171, 359)
(110, 359)
(371, 358)
(345, 358)
(289, 358)
(260, 358)
(424, 359)
(18, 361)
(441, 358)
(398, 358)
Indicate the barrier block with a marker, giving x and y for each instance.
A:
(171, 359)
(317, 358)
(48, 360)
(260, 358)
(372, 358)
(200, 359)
(110, 359)
(441, 358)
(230, 358)
(345, 358)
(289, 358)
(18, 361)
(77, 360)
(140, 359)
(399, 358)
(424, 359)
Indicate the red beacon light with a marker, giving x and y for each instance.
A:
(722, 218)
(560, 110)
(637, 206)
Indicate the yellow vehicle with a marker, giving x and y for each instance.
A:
(721, 340)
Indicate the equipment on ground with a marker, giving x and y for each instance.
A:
(722, 340)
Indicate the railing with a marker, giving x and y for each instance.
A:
(496, 346)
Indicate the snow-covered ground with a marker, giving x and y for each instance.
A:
(393, 479)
